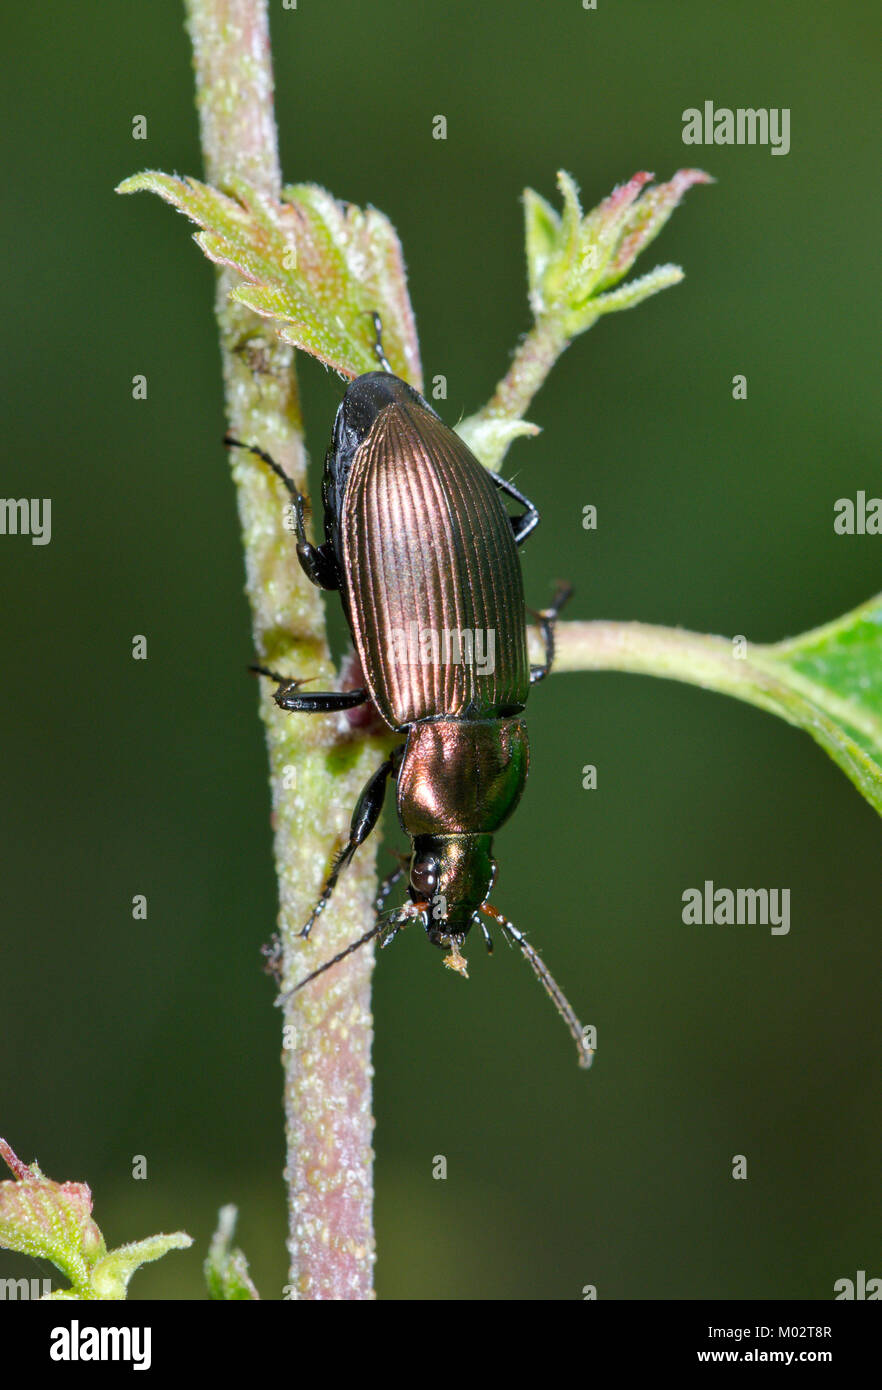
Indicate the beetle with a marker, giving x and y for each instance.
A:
(425, 557)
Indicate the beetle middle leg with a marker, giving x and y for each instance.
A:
(547, 620)
(288, 695)
(528, 520)
(364, 818)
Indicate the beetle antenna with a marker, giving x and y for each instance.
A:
(394, 918)
(547, 980)
(335, 960)
(378, 342)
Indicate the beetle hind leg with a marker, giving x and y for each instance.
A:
(317, 561)
(547, 621)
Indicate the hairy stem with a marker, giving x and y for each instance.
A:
(316, 766)
(530, 365)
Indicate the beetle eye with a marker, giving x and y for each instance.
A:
(424, 876)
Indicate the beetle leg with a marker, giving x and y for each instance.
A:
(485, 931)
(528, 521)
(378, 340)
(289, 697)
(317, 561)
(547, 619)
(386, 931)
(387, 885)
(364, 818)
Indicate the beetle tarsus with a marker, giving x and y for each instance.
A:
(283, 681)
(378, 341)
(529, 519)
(547, 621)
(316, 561)
(388, 884)
(288, 697)
(268, 459)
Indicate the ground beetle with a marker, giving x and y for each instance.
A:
(424, 555)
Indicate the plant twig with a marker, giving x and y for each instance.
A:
(530, 365)
(316, 767)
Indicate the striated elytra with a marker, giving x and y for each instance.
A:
(424, 554)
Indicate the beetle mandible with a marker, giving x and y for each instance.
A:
(419, 545)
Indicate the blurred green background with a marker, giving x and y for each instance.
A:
(122, 777)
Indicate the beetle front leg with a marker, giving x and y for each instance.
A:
(388, 883)
(547, 620)
(364, 818)
(318, 562)
(528, 521)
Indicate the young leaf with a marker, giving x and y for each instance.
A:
(571, 258)
(226, 1269)
(317, 267)
(575, 263)
(53, 1221)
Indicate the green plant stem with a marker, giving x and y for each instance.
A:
(643, 649)
(756, 673)
(316, 766)
(530, 365)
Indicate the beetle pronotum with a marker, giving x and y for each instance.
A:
(417, 539)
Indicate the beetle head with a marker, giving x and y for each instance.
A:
(453, 875)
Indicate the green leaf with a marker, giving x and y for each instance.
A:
(835, 673)
(636, 290)
(575, 262)
(315, 266)
(542, 231)
(645, 218)
(53, 1221)
(110, 1277)
(827, 682)
(571, 258)
(226, 1269)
